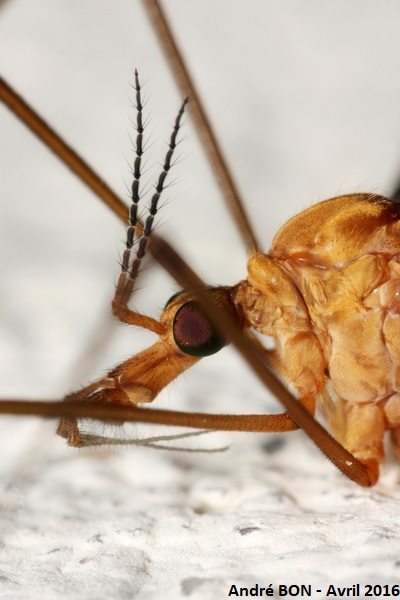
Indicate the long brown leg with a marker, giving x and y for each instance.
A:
(23, 111)
(205, 132)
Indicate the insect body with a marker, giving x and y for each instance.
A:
(327, 292)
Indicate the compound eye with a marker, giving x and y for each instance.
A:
(193, 332)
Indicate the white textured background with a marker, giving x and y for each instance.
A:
(305, 96)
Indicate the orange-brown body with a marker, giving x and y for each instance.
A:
(329, 293)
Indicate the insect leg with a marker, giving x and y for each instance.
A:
(361, 428)
(204, 130)
(25, 113)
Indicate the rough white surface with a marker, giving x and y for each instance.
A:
(305, 97)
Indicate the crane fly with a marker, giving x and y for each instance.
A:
(327, 292)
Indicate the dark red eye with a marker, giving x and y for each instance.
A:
(193, 332)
